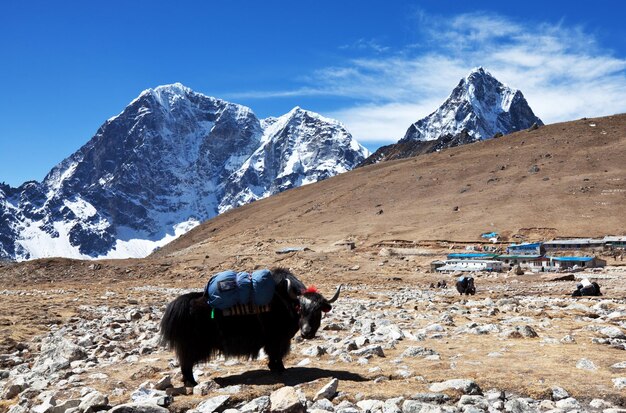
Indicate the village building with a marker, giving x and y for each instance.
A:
(526, 248)
(470, 265)
(615, 242)
(561, 263)
(471, 256)
(436, 264)
(531, 262)
(586, 244)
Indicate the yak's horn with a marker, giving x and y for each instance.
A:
(332, 300)
(293, 294)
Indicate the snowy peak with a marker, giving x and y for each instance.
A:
(170, 159)
(479, 104)
(296, 149)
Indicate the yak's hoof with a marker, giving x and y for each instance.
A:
(190, 383)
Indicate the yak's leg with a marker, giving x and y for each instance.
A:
(186, 367)
(276, 351)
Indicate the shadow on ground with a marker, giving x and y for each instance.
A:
(289, 377)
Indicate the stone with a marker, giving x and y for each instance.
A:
(322, 404)
(559, 393)
(93, 402)
(465, 385)
(133, 315)
(16, 408)
(479, 402)
(431, 397)
(417, 351)
(585, 364)
(12, 389)
(412, 406)
(390, 332)
(64, 406)
(164, 383)
(524, 331)
(620, 365)
(391, 405)
(619, 383)
(286, 400)
(369, 351)
(612, 332)
(314, 351)
(328, 391)
(138, 408)
(212, 404)
(203, 388)
(568, 339)
(260, 404)
(45, 407)
(145, 394)
(370, 405)
(518, 406)
(567, 404)
(600, 404)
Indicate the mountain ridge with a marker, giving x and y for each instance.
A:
(478, 108)
(170, 159)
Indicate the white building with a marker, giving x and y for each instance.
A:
(470, 265)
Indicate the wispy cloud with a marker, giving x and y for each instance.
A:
(563, 72)
(366, 44)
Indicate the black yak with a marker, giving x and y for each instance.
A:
(587, 288)
(465, 285)
(196, 332)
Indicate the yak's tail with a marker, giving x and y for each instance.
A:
(177, 321)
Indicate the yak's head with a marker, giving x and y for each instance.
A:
(311, 305)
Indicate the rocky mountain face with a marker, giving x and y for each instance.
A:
(479, 108)
(409, 148)
(170, 160)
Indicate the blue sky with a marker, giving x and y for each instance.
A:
(376, 66)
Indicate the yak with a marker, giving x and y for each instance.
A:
(465, 285)
(587, 288)
(197, 332)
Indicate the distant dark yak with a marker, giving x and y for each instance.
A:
(465, 285)
(196, 332)
(587, 288)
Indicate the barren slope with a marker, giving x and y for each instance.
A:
(567, 179)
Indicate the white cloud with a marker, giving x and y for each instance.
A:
(562, 71)
(387, 122)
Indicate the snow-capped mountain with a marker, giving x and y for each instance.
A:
(479, 107)
(170, 160)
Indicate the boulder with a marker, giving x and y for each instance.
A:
(328, 391)
(464, 385)
(213, 404)
(138, 408)
(286, 400)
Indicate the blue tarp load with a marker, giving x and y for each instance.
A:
(229, 288)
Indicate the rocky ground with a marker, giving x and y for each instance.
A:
(80, 337)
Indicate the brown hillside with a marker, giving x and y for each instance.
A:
(565, 179)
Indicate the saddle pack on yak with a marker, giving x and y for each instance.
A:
(240, 293)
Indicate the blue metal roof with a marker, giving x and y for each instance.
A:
(521, 257)
(581, 259)
(470, 255)
(522, 246)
